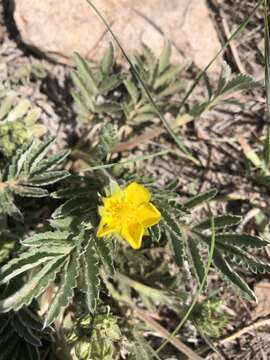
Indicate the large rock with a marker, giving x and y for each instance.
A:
(58, 28)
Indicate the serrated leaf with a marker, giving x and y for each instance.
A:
(200, 198)
(8, 207)
(172, 89)
(196, 260)
(220, 222)
(132, 90)
(224, 77)
(108, 60)
(48, 238)
(24, 331)
(80, 105)
(107, 108)
(29, 260)
(164, 59)
(149, 57)
(91, 276)
(18, 161)
(29, 191)
(110, 84)
(51, 162)
(32, 321)
(80, 86)
(47, 178)
(66, 288)
(168, 75)
(239, 256)
(85, 74)
(155, 233)
(70, 207)
(232, 276)
(242, 240)
(34, 287)
(105, 255)
(175, 236)
(38, 151)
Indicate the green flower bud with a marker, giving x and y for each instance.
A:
(82, 348)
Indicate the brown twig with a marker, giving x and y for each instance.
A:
(246, 329)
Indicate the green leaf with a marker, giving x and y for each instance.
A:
(149, 56)
(85, 74)
(77, 81)
(172, 89)
(66, 288)
(241, 240)
(232, 277)
(132, 90)
(29, 191)
(8, 207)
(110, 83)
(51, 162)
(47, 178)
(37, 152)
(48, 238)
(26, 261)
(196, 260)
(34, 286)
(200, 198)
(155, 233)
(18, 161)
(105, 255)
(220, 222)
(108, 60)
(91, 276)
(25, 332)
(175, 236)
(164, 59)
(243, 258)
(168, 75)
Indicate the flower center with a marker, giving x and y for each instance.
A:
(122, 211)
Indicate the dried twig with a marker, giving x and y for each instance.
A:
(246, 329)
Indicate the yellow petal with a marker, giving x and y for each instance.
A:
(136, 194)
(133, 233)
(148, 214)
(106, 226)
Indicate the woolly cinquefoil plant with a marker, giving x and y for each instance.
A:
(87, 242)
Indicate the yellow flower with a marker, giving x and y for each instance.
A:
(128, 213)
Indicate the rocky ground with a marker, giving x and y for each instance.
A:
(34, 47)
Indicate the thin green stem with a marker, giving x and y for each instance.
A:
(133, 159)
(199, 291)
